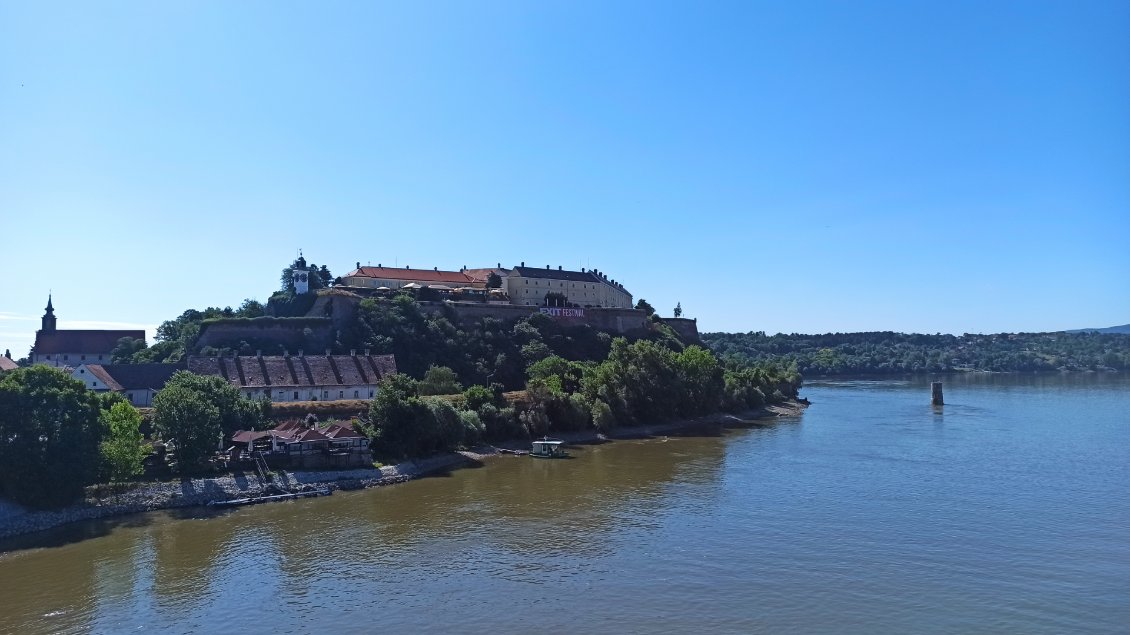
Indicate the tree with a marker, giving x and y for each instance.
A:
(49, 436)
(679, 310)
(196, 412)
(251, 309)
(122, 450)
(494, 281)
(126, 349)
(184, 417)
(439, 380)
(645, 306)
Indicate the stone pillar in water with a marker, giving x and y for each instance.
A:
(936, 393)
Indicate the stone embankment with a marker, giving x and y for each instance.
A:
(143, 497)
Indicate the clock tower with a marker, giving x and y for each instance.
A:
(301, 277)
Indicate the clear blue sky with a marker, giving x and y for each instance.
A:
(789, 166)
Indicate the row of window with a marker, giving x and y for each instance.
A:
(325, 394)
(66, 357)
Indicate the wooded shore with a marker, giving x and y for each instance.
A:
(151, 496)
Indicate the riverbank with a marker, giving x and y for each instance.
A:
(16, 520)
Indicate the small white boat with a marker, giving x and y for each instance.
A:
(549, 449)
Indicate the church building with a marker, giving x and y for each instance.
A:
(74, 347)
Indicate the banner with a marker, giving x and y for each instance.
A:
(563, 312)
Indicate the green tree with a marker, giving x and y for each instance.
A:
(439, 380)
(494, 281)
(126, 349)
(645, 306)
(122, 449)
(251, 309)
(678, 310)
(49, 436)
(196, 412)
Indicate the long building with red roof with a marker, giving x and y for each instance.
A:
(74, 347)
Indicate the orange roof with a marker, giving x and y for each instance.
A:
(417, 275)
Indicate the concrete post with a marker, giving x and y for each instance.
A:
(936, 393)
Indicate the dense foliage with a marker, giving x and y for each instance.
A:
(638, 382)
(197, 412)
(50, 430)
(886, 352)
(122, 447)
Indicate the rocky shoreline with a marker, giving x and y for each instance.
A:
(16, 520)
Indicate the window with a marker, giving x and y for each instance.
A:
(370, 394)
(356, 394)
(64, 358)
(99, 358)
(325, 394)
(281, 394)
(296, 395)
(341, 394)
(83, 357)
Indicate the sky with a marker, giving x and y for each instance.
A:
(786, 167)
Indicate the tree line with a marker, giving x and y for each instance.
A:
(898, 353)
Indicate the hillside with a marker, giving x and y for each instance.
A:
(1123, 330)
(897, 353)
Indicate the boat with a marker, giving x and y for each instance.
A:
(549, 449)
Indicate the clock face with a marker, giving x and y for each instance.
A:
(301, 277)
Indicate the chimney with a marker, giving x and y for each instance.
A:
(353, 352)
(380, 266)
(523, 263)
(286, 353)
(499, 266)
(435, 268)
(358, 264)
(300, 352)
(547, 266)
(559, 267)
(258, 353)
(327, 352)
(582, 269)
(366, 352)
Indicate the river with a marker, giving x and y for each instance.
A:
(1005, 511)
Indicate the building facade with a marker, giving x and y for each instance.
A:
(299, 377)
(73, 347)
(530, 286)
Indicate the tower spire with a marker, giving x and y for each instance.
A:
(48, 324)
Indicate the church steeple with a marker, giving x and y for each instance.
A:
(49, 317)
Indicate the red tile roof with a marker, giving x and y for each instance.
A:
(7, 364)
(252, 371)
(310, 435)
(426, 276)
(246, 436)
(80, 341)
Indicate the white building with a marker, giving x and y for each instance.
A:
(138, 382)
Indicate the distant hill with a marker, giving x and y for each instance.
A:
(1125, 329)
(896, 353)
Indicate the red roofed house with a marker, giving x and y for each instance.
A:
(295, 445)
(6, 362)
(395, 278)
(59, 348)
